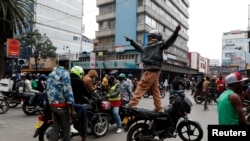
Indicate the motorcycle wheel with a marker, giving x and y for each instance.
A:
(146, 95)
(28, 109)
(45, 133)
(248, 118)
(190, 131)
(198, 99)
(137, 131)
(163, 94)
(14, 102)
(4, 105)
(13, 105)
(101, 126)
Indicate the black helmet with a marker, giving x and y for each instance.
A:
(155, 34)
(111, 79)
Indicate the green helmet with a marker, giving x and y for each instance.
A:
(77, 70)
(122, 75)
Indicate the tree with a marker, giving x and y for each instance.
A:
(40, 45)
(15, 17)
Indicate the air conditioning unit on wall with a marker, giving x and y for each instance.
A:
(23, 62)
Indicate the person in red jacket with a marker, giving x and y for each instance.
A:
(221, 85)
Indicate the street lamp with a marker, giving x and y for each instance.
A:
(245, 61)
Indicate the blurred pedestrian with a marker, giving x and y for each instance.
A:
(193, 85)
(130, 82)
(205, 91)
(221, 85)
(165, 84)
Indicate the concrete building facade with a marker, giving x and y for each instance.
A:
(135, 19)
(235, 50)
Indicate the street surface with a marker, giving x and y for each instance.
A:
(16, 126)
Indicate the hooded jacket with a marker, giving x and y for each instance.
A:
(152, 54)
(87, 79)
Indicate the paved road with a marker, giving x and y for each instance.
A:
(16, 126)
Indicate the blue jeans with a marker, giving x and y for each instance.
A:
(115, 112)
(82, 115)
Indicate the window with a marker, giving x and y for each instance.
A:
(76, 38)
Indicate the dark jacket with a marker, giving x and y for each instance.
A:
(153, 54)
(79, 89)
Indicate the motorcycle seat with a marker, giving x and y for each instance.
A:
(148, 113)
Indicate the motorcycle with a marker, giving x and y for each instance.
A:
(31, 109)
(246, 105)
(4, 104)
(98, 122)
(173, 93)
(146, 125)
(4, 88)
(13, 98)
(199, 97)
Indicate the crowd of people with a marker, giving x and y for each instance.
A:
(66, 88)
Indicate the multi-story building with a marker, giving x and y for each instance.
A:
(214, 62)
(62, 22)
(235, 51)
(249, 18)
(200, 63)
(135, 18)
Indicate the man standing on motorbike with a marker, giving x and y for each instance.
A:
(114, 97)
(152, 61)
(79, 91)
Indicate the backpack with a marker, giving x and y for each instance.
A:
(20, 87)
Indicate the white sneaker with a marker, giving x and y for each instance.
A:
(72, 129)
(119, 130)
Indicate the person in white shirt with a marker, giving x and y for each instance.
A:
(165, 84)
(29, 92)
(129, 80)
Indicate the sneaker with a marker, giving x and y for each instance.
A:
(119, 130)
(72, 129)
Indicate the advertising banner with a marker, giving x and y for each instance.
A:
(13, 46)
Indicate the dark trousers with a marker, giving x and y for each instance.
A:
(82, 116)
(206, 100)
(61, 120)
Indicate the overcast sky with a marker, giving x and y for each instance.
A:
(208, 20)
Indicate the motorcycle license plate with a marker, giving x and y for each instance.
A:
(125, 120)
(39, 124)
